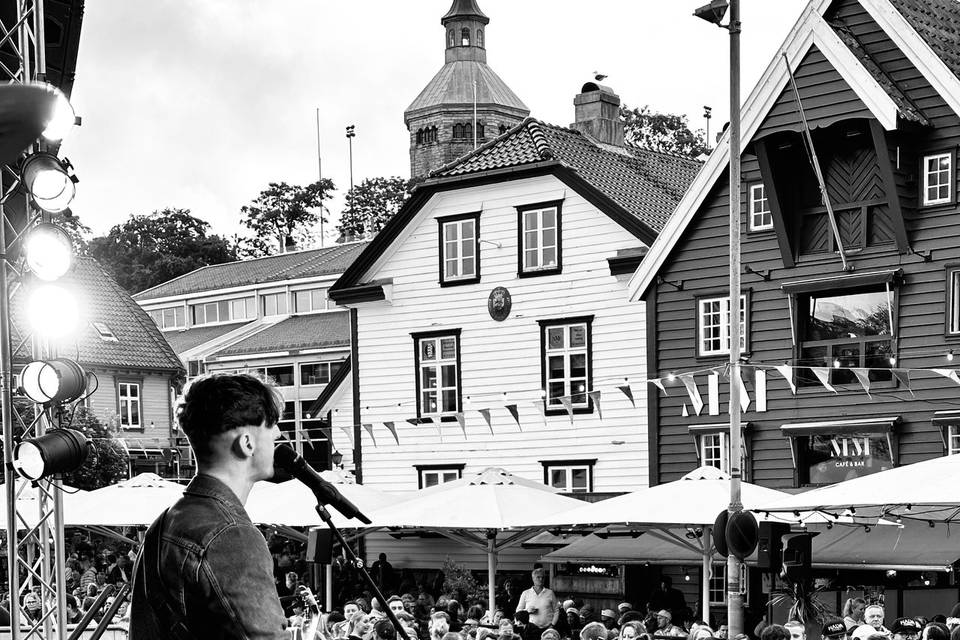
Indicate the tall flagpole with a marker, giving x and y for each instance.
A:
(320, 176)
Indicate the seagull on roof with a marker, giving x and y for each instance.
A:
(599, 77)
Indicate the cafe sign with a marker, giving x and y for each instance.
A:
(832, 458)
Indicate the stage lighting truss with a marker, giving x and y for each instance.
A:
(57, 451)
(49, 181)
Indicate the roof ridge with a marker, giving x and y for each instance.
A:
(486, 145)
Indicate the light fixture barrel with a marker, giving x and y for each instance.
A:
(49, 251)
(59, 380)
(46, 179)
(57, 451)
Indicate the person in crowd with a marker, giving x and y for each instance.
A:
(231, 423)
(550, 634)
(588, 615)
(608, 618)
(873, 615)
(701, 632)
(853, 612)
(906, 629)
(88, 572)
(796, 629)
(395, 604)
(540, 602)
(665, 626)
(382, 573)
(350, 609)
(573, 621)
(522, 626)
(936, 631)
(631, 630)
(623, 607)
(666, 597)
(593, 631)
(73, 610)
(834, 629)
(439, 625)
(775, 632)
(453, 610)
(508, 597)
(384, 629)
(364, 605)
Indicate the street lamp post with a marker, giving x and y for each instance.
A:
(351, 134)
(714, 12)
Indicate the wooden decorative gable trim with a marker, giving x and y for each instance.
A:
(810, 29)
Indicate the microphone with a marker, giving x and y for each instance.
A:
(293, 463)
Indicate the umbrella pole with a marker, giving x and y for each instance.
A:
(491, 571)
(328, 586)
(705, 572)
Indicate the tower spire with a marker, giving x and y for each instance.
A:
(464, 25)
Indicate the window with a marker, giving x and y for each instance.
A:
(105, 333)
(479, 37)
(953, 440)
(937, 174)
(309, 300)
(714, 451)
(430, 475)
(713, 330)
(169, 317)
(274, 304)
(288, 421)
(570, 476)
(222, 311)
(953, 300)
(195, 368)
(128, 401)
(503, 129)
(459, 249)
(451, 38)
(480, 130)
(565, 364)
(760, 217)
(465, 37)
(419, 136)
(848, 329)
(718, 583)
(317, 372)
(458, 131)
(438, 373)
(539, 239)
(281, 375)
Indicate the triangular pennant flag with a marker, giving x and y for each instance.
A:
(369, 428)
(950, 374)
(863, 375)
(658, 382)
(786, 371)
(903, 377)
(567, 403)
(515, 412)
(684, 412)
(744, 396)
(392, 428)
(760, 389)
(539, 405)
(429, 420)
(595, 396)
(691, 384)
(823, 375)
(462, 420)
(327, 432)
(414, 421)
(713, 393)
(486, 416)
(348, 431)
(627, 391)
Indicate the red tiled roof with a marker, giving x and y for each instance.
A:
(286, 266)
(311, 331)
(139, 342)
(648, 184)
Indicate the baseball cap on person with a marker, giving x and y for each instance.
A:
(906, 626)
(623, 607)
(608, 613)
(834, 629)
(663, 613)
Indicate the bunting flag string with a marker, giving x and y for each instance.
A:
(658, 383)
(744, 396)
(595, 396)
(949, 374)
(541, 408)
(627, 391)
(823, 375)
(515, 412)
(392, 428)
(863, 375)
(713, 393)
(462, 420)
(685, 413)
(348, 431)
(786, 371)
(369, 428)
(903, 377)
(486, 416)
(760, 389)
(691, 384)
(568, 405)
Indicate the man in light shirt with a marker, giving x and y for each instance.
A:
(541, 602)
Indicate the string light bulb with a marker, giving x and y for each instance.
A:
(829, 525)
(836, 363)
(893, 361)
(950, 355)
(671, 377)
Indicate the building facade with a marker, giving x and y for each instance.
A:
(849, 306)
(465, 102)
(270, 316)
(492, 322)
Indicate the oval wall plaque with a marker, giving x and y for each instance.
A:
(499, 304)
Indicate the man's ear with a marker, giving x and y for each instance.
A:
(243, 444)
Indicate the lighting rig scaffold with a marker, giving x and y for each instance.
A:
(35, 187)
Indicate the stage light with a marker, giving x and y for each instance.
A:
(48, 182)
(52, 311)
(57, 451)
(58, 380)
(49, 251)
(61, 119)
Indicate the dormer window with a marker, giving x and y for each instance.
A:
(465, 37)
(480, 37)
(451, 38)
(104, 332)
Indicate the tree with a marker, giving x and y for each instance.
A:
(370, 204)
(77, 231)
(665, 132)
(284, 212)
(107, 462)
(149, 249)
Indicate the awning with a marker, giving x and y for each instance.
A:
(913, 547)
(845, 281)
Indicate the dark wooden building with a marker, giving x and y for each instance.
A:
(873, 302)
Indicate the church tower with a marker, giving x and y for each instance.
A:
(441, 119)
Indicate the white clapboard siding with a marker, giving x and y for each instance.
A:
(430, 553)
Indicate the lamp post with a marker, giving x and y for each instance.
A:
(713, 13)
(320, 175)
(351, 134)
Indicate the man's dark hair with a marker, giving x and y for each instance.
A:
(216, 403)
(72, 602)
(775, 632)
(385, 630)
(937, 631)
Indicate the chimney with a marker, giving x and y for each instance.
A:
(597, 113)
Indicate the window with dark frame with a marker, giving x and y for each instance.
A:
(312, 373)
(761, 219)
(713, 325)
(569, 476)
(431, 475)
(273, 304)
(282, 375)
(953, 300)
(129, 403)
(953, 439)
(841, 330)
(938, 178)
(465, 37)
(566, 369)
(714, 450)
(540, 236)
(459, 249)
(438, 373)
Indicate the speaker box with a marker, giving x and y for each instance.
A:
(768, 544)
(320, 546)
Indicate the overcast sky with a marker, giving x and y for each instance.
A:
(200, 104)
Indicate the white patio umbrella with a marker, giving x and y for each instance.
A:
(137, 501)
(473, 509)
(693, 502)
(922, 491)
(28, 505)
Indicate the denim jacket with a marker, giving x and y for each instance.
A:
(207, 574)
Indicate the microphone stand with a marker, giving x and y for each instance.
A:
(325, 516)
